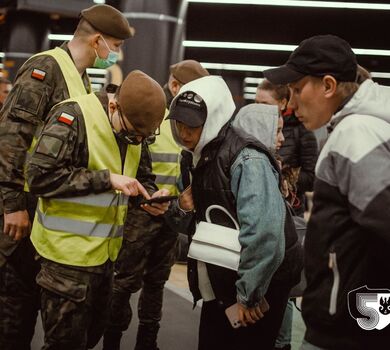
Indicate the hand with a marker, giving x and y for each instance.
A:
(253, 314)
(186, 201)
(129, 186)
(17, 224)
(156, 209)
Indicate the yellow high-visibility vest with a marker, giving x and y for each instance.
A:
(166, 159)
(87, 230)
(73, 80)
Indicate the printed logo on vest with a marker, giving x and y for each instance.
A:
(38, 74)
(370, 307)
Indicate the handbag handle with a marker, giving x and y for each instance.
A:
(216, 206)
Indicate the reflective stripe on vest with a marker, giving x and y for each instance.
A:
(87, 230)
(166, 159)
(73, 80)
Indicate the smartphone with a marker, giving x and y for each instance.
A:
(161, 199)
(232, 315)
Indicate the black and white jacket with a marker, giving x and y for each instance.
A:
(348, 238)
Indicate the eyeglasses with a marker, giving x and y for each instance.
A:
(131, 136)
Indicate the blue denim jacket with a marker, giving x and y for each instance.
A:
(261, 213)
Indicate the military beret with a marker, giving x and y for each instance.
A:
(188, 70)
(108, 20)
(142, 102)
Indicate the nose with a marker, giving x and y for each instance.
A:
(282, 139)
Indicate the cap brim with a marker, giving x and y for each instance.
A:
(187, 116)
(282, 75)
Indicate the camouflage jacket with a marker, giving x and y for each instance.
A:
(59, 166)
(26, 108)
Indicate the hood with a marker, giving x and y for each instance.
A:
(220, 108)
(371, 99)
(260, 121)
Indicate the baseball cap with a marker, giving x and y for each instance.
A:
(109, 21)
(317, 56)
(189, 108)
(142, 101)
(188, 70)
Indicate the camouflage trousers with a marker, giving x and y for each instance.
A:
(74, 304)
(144, 263)
(19, 296)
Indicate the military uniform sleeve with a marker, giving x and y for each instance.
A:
(59, 163)
(144, 172)
(23, 111)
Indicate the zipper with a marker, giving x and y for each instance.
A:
(336, 283)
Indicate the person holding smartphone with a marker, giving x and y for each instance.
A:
(234, 170)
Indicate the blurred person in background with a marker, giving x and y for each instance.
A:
(5, 88)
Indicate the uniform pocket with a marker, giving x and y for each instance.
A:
(65, 286)
(336, 283)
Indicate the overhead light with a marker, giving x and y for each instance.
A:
(255, 68)
(298, 3)
(237, 67)
(2, 54)
(267, 47)
(250, 89)
(249, 96)
(250, 80)
(97, 71)
(99, 1)
(380, 75)
(62, 37)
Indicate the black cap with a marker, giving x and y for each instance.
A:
(317, 56)
(189, 108)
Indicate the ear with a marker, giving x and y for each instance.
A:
(174, 87)
(330, 86)
(283, 104)
(112, 106)
(95, 40)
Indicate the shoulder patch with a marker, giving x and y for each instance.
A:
(38, 74)
(66, 118)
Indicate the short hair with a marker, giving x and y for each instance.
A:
(362, 74)
(279, 92)
(346, 88)
(84, 28)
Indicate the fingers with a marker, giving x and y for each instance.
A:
(264, 306)
(141, 190)
(156, 208)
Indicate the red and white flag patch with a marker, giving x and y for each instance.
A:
(38, 74)
(66, 118)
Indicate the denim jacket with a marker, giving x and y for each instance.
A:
(261, 213)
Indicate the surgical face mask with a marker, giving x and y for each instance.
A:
(104, 63)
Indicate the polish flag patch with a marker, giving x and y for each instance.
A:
(66, 118)
(38, 74)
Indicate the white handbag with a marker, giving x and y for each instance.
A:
(216, 244)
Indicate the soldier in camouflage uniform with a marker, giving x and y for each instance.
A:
(148, 250)
(39, 85)
(75, 306)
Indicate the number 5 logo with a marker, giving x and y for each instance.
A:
(370, 307)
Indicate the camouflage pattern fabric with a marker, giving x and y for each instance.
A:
(19, 297)
(74, 305)
(145, 261)
(21, 117)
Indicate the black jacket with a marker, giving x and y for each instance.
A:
(211, 185)
(299, 150)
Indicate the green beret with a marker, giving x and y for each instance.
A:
(108, 20)
(188, 70)
(142, 101)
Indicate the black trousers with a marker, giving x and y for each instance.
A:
(215, 331)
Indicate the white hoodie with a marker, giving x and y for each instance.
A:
(220, 108)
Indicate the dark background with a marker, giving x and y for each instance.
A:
(162, 25)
